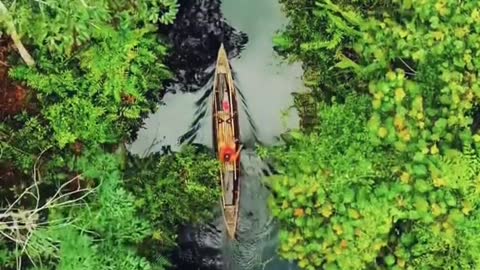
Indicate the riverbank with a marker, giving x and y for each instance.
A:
(380, 179)
(73, 197)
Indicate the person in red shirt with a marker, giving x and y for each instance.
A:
(228, 154)
(227, 142)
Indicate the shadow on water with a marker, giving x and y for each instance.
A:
(206, 247)
(257, 232)
(195, 37)
(204, 110)
(184, 117)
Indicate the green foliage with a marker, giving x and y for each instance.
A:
(113, 212)
(327, 198)
(98, 63)
(424, 102)
(445, 239)
(111, 83)
(344, 203)
(7, 258)
(73, 248)
(21, 146)
(318, 37)
(127, 229)
(176, 189)
(418, 208)
(87, 122)
(61, 26)
(130, 228)
(99, 235)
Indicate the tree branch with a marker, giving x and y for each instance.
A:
(18, 224)
(27, 58)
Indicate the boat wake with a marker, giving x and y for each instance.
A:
(208, 247)
(203, 104)
(196, 36)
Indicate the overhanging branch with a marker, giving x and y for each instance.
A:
(27, 58)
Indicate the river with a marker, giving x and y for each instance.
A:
(266, 85)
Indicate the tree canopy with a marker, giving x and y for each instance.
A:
(84, 74)
(388, 179)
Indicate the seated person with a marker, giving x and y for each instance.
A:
(228, 154)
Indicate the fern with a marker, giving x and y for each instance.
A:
(96, 65)
(78, 250)
(21, 146)
(74, 249)
(176, 189)
(101, 235)
(113, 212)
(86, 122)
(7, 258)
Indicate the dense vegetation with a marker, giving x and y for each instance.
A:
(388, 178)
(83, 74)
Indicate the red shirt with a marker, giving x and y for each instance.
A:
(227, 154)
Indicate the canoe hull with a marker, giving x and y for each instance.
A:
(226, 130)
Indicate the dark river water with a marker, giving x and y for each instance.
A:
(266, 85)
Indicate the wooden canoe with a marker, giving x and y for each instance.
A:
(226, 132)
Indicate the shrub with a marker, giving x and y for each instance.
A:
(416, 205)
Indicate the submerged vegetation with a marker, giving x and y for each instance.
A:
(70, 197)
(388, 177)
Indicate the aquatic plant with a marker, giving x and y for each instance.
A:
(416, 207)
(343, 203)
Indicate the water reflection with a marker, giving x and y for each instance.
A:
(265, 82)
(266, 86)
